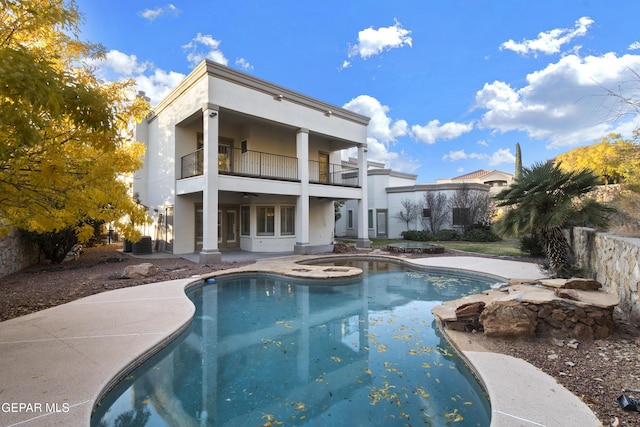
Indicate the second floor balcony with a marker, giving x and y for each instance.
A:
(257, 164)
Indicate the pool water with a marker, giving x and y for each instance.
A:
(268, 351)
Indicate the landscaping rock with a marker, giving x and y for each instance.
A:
(140, 270)
(582, 284)
(567, 294)
(470, 310)
(508, 320)
(342, 248)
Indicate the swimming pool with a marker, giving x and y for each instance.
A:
(266, 350)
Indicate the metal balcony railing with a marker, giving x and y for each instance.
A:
(333, 174)
(243, 163)
(192, 164)
(235, 161)
(258, 164)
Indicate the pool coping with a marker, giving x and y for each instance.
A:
(57, 363)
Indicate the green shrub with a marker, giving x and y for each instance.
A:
(531, 245)
(481, 233)
(417, 235)
(447, 235)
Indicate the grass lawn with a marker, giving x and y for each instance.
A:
(501, 248)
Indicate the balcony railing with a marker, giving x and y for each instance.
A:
(333, 174)
(258, 164)
(192, 164)
(243, 163)
(272, 166)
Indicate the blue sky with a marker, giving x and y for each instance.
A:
(450, 86)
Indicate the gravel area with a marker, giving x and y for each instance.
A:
(597, 372)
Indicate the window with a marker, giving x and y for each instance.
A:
(349, 218)
(287, 220)
(245, 220)
(382, 223)
(265, 220)
(426, 213)
(370, 219)
(461, 216)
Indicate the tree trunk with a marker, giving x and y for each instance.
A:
(558, 251)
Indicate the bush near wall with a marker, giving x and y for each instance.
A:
(474, 234)
(16, 253)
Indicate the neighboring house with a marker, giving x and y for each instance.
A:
(387, 189)
(495, 179)
(233, 161)
(378, 222)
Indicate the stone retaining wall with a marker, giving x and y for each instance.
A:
(565, 319)
(613, 261)
(16, 253)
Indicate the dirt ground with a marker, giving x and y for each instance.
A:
(597, 372)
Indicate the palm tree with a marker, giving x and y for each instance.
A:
(546, 200)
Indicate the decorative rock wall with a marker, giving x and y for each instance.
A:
(558, 318)
(16, 253)
(613, 261)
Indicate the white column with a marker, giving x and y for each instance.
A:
(363, 226)
(302, 204)
(210, 252)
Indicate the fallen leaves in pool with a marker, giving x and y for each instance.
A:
(453, 417)
(383, 393)
(271, 421)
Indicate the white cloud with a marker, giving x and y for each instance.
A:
(454, 156)
(549, 42)
(154, 82)
(243, 64)
(483, 143)
(373, 42)
(212, 50)
(152, 14)
(433, 131)
(382, 133)
(381, 127)
(503, 155)
(566, 103)
(158, 84)
(634, 46)
(125, 65)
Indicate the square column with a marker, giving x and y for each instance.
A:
(210, 252)
(363, 226)
(302, 204)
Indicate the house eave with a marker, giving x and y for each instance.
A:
(208, 68)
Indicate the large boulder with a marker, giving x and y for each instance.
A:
(508, 320)
(138, 271)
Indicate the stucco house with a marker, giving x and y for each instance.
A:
(236, 162)
(495, 179)
(387, 189)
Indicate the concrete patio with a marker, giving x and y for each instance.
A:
(55, 364)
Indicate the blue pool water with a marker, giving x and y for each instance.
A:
(267, 351)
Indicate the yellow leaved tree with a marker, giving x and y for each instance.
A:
(614, 159)
(65, 135)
